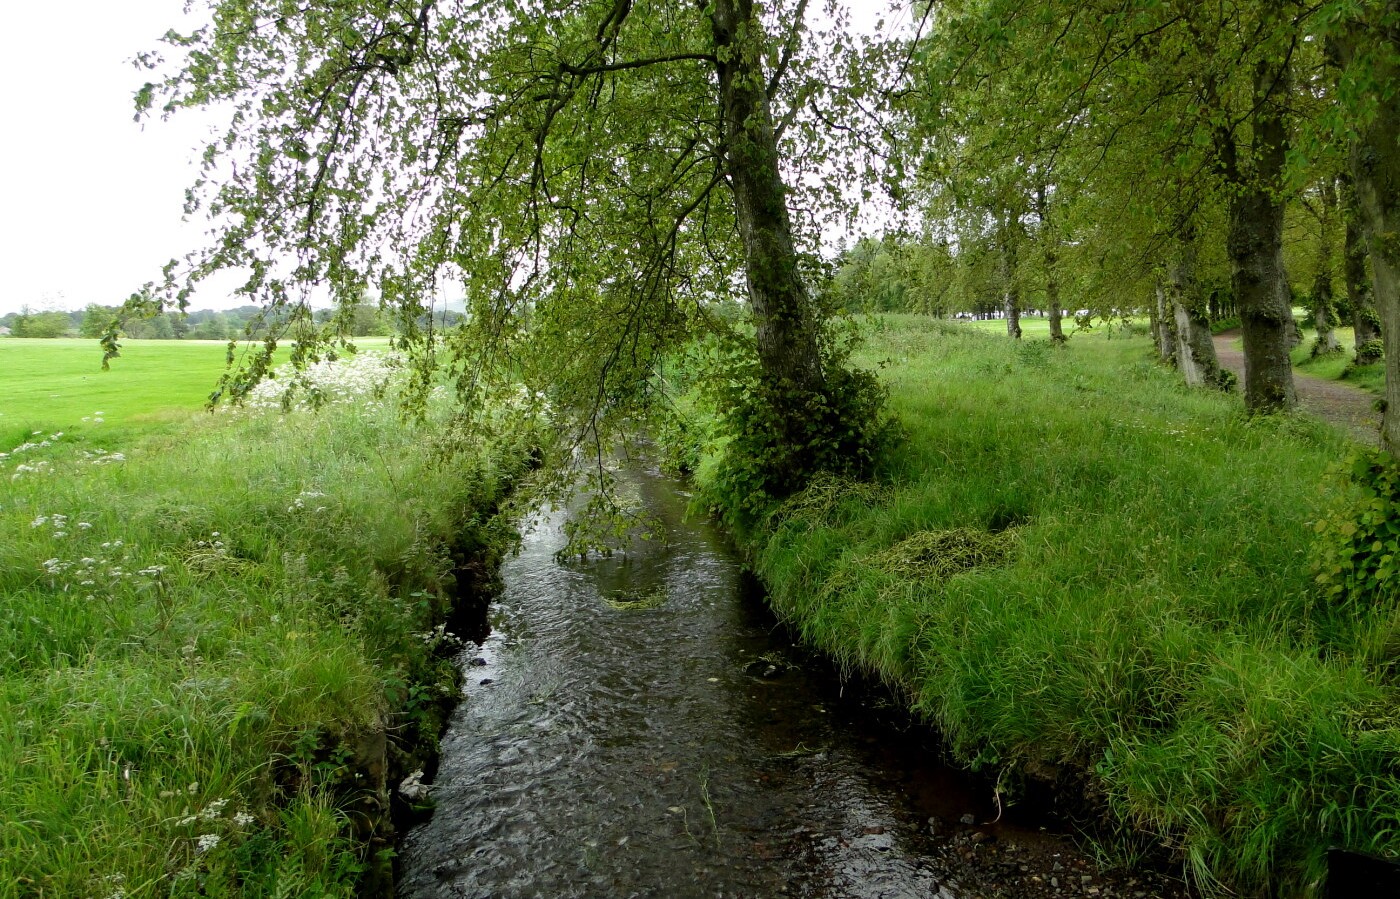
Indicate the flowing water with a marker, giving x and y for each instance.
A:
(678, 747)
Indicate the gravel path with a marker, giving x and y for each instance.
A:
(1347, 407)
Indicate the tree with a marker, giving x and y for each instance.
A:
(1367, 47)
(1366, 324)
(96, 320)
(1323, 208)
(1168, 108)
(41, 324)
(215, 327)
(595, 172)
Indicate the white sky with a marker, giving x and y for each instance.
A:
(90, 201)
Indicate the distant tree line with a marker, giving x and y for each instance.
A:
(365, 320)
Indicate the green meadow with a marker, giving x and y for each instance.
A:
(220, 642)
(1079, 570)
(60, 384)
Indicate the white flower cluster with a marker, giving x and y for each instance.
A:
(102, 457)
(42, 466)
(299, 504)
(59, 523)
(211, 814)
(114, 883)
(94, 418)
(440, 636)
(39, 466)
(31, 445)
(86, 572)
(358, 377)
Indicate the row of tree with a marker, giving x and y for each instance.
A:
(598, 172)
(1148, 149)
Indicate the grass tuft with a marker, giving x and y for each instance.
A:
(938, 555)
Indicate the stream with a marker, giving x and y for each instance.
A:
(681, 746)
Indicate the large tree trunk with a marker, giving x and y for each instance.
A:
(1194, 345)
(1324, 310)
(1255, 247)
(1163, 326)
(1052, 299)
(784, 318)
(1366, 324)
(1010, 289)
(1050, 246)
(1375, 170)
(1011, 300)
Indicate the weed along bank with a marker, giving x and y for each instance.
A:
(224, 636)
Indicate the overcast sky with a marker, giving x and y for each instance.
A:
(90, 201)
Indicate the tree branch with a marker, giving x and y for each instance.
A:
(570, 69)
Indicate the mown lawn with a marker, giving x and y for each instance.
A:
(1075, 565)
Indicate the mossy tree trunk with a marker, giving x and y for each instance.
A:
(1052, 300)
(1366, 324)
(1163, 325)
(1010, 288)
(1050, 248)
(1255, 244)
(784, 318)
(1194, 344)
(1324, 308)
(1375, 171)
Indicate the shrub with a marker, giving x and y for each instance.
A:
(1357, 554)
(775, 438)
(1370, 352)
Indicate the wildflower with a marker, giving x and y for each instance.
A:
(208, 841)
(242, 819)
(213, 809)
(39, 522)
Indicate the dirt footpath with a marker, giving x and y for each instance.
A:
(1349, 408)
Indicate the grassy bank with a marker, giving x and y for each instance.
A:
(207, 632)
(1337, 366)
(1078, 569)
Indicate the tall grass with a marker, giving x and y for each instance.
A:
(204, 630)
(1151, 639)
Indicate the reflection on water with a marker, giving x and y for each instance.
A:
(667, 751)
